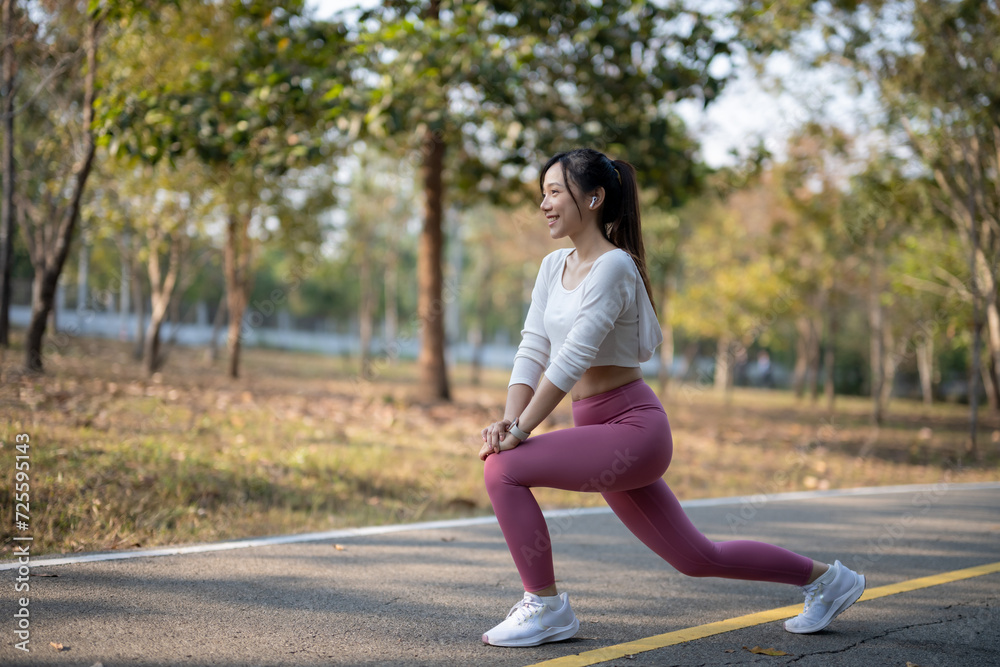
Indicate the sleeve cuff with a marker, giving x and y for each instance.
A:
(526, 371)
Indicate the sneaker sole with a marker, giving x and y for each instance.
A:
(550, 635)
(845, 601)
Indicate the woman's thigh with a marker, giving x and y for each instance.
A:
(596, 458)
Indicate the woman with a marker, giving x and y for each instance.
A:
(590, 324)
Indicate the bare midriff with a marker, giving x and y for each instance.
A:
(599, 379)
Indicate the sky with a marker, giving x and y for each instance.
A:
(749, 109)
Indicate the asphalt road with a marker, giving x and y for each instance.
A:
(424, 595)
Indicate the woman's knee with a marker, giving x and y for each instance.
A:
(696, 568)
(494, 472)
(701, 560)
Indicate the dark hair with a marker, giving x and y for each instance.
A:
(620, 221)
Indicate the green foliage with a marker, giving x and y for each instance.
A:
(729, 286)
(507, 84)
(230, 82)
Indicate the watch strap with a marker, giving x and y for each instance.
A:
(516, 431)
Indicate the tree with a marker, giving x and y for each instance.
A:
(728, 291)
(50, 213)
(8, 73)
(260, 98)
(484, 92)
(809, 236)
(62, 114)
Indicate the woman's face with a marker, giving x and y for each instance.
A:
(560, 210)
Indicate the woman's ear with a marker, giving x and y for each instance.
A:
(597, 198)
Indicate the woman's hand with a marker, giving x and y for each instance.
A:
(496, 438)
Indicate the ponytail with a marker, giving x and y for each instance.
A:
(624, 229)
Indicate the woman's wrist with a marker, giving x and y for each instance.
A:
(518, 432)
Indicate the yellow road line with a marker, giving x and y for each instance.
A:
(701, 631)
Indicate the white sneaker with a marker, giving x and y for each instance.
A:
(826, 598)
(531, 622)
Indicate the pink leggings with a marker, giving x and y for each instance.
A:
(620, 448)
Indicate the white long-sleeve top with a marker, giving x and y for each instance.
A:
(607, 320)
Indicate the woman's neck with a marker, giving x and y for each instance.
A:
(590, 245)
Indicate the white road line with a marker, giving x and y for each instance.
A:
(480, 521)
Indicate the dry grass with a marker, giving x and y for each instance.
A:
(299, 444)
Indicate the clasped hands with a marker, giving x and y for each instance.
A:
(496, 438)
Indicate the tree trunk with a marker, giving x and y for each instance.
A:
(220, 316)
(990, 384)
(690, 364)
(978, 317)
(993, 320)
(7, 71)
(366, 311)
(174, 315)
(48, 271)
(139, 296)
(802, 346)
(925, 368)
(151, 350)
(890, 364)
(237, 267)
(724, 364)
(876, 327)
(815, 354)
(161, 292)
(829, 387)
(391, 323)
(83, 278)
(430, 304)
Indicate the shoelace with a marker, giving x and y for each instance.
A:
(812, 591)
(524, 609)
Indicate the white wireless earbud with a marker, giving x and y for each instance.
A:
(593, 202)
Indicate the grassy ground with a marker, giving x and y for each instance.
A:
(298, 443)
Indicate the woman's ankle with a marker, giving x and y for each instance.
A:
(819, 569)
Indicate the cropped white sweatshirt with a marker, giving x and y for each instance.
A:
(607, 320)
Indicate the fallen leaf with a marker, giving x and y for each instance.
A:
(56, 646)
(765, 651)
(911, 664)
(339, 547)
